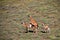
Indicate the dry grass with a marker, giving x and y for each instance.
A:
(13, 12)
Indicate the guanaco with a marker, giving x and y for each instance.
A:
(28, 26)
(34, 23)
(46, 28)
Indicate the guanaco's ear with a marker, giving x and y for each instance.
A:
(21, 22)
(29, 15)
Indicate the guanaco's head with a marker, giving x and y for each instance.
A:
(24, 24)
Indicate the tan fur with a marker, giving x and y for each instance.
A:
(46, 28)
(28, 26)
(33, 22)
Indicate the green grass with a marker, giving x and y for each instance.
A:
(13, 12)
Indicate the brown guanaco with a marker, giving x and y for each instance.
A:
(34, 23)
(28, 26)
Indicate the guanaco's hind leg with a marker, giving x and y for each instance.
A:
(34, 30)
(27, 30)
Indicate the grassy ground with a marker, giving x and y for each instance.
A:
(13, 12)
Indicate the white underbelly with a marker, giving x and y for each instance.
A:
(30, 26)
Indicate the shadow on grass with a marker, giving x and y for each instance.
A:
(26, 31)
(31, 31)
(43, 31)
